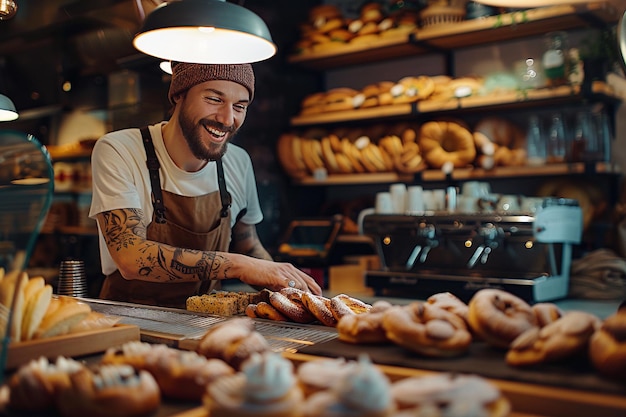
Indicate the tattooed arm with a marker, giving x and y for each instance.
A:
(124, 231)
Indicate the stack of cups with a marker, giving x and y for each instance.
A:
(72, 279)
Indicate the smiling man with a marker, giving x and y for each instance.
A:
(176, 203)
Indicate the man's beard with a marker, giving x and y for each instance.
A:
(193, 136)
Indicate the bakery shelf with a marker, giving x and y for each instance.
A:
(462, 174)
(598, 90)
(507, 26)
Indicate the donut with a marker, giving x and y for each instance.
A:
(34, 387)
(117, 390)
(427, 330)
(319, 306)
(448, 394)
(499, 317)
(546, 313)
(444, 142)
(288, 301)
(343, 304)
(564, 338)
(233, 341)
(366, 328)
(607, 347)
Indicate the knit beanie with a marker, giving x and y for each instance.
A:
(186, 75)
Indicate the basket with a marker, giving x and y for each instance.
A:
(434, 15)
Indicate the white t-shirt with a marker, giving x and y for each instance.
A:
(121, 179)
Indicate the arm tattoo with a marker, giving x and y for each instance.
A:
(118, 222)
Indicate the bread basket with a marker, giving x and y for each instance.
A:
(443, 13)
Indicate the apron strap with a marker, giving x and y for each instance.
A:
(224, 194)
(155, 180)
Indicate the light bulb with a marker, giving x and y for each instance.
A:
(8, 8)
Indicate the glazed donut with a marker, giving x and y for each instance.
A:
(34, 387)
(448, 394)
(343, 304)
(427, 330)
(117, 390)
(288, 301)
(499, 317)
(365, 328)
(607, 348)
(320, 308)
(564, 338)
(546, 313)
(233, 340)
(444, 142)
(451, 303)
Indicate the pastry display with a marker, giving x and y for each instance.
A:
(265, 387)
(453, 395)
(362, 391)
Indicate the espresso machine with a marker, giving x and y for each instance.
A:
(527, 254)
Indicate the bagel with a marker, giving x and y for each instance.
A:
(499, 317)
(444, 142)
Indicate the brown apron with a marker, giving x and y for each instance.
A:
(200, 223)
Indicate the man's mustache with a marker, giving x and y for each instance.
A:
(217, 125)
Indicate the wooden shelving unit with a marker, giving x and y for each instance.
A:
(507, 26)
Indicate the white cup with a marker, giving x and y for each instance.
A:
(398, 197)
(415, 199)
(467, 204)
(383, 203)
(475, 188)
(361, 217)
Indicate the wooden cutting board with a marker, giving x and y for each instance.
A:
(71, 345)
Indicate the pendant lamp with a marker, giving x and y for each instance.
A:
(7, 109)
(206, 32)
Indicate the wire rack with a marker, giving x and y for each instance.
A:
(172, 326)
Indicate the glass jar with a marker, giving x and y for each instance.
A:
(555, 58)
(557, 140)
(536, 148)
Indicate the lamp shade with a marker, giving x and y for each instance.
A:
(206, 32)
(7, 109)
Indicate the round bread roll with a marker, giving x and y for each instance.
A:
(444, 142)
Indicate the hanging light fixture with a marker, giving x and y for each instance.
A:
(205, 31)
(7, 109)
